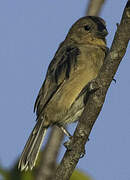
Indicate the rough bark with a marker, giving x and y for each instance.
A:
(76, 146)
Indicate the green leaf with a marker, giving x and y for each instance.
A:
(79, 175)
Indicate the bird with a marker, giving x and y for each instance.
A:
(62, 97)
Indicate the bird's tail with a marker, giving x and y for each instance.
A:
(32, 147)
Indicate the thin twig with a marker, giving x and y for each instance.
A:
(94, 7)
(47, 165)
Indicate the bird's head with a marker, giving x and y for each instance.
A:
(89, 29)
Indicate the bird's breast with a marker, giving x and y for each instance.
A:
(87, 68)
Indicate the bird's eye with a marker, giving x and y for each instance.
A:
(87, 28)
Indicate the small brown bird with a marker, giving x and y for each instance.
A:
(61, 98)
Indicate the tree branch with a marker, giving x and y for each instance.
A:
(47, 165)
(94, 7)
(95, 102)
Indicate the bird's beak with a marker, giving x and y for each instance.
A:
(103, 33)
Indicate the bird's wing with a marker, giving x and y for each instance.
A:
(58, 71)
